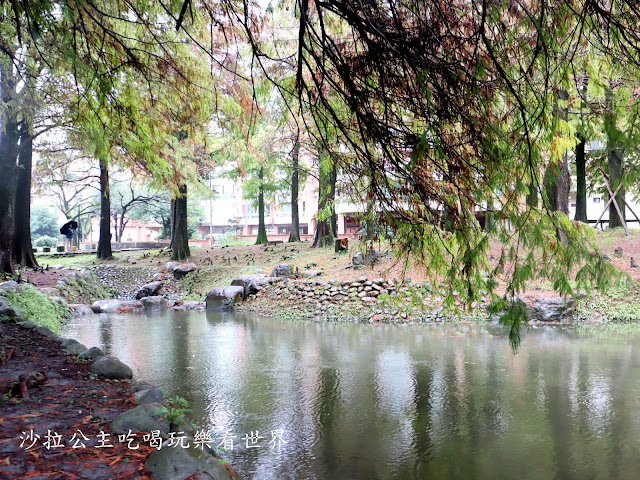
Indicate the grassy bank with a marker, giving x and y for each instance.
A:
(38, 308)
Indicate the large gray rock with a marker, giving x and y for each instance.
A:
(143, 418)
(111, 367)
(9, 313)
(310, 273)
(75, 348)
(91, 354)
(183, 270)
(27, 325)
(170, 463)
(10, 286)
(80, 310)
(223, 298)
(117, 306)
(551, 310)
(171, 265)
(47, 332)
(283, 270)
(154, 304)
(358, 258)
(191, 307)
(252, 284)
(139, 386)
(149, 290)
(151, 395)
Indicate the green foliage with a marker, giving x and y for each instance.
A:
(618, 305)
(175, 411)
(38, 308)
(44, 223)
(45, 242)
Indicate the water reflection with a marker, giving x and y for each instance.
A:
(357, 401)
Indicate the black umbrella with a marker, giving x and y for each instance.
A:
(68, 226)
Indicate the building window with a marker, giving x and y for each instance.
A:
(286, 208)
(285, 230)
(573, 205)
(304, 207)
(596, 199)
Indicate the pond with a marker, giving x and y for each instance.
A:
(384, 402)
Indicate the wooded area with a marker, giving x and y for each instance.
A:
(428, 112)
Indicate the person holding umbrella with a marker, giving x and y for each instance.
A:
(67, 230)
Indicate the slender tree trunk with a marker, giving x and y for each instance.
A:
(581, 182)
(115, 216)
(532, 196)
(327, 228)
(615, 160)
(172, 223)
(104, 242)
(294, 235)
(22, 248)
(180, 240)
(166, 228)
(490, 220)
(262, 231)
(8, 167)
(557, 179)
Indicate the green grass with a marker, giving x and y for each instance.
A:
(38, 308)
(70, 260)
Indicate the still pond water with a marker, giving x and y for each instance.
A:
(392, 402)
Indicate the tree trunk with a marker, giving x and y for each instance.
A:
(532, 196)
(104, 242)
(490, 220)
(114, 215)
(172, 223)
(326, 229)
(180, 240)
(166, 228)
(615, 160)
(581, 182)
(22, 248)
(262, 231)
(294, 234)
(557, 179)
(557, 183)
(616, 156)
(8, 167)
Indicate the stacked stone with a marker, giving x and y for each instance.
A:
(360, 291)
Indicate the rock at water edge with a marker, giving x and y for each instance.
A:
(110, 367)
(181, 463)
(143, 418)
(223, 298)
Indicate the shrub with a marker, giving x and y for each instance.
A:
(45, 242)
